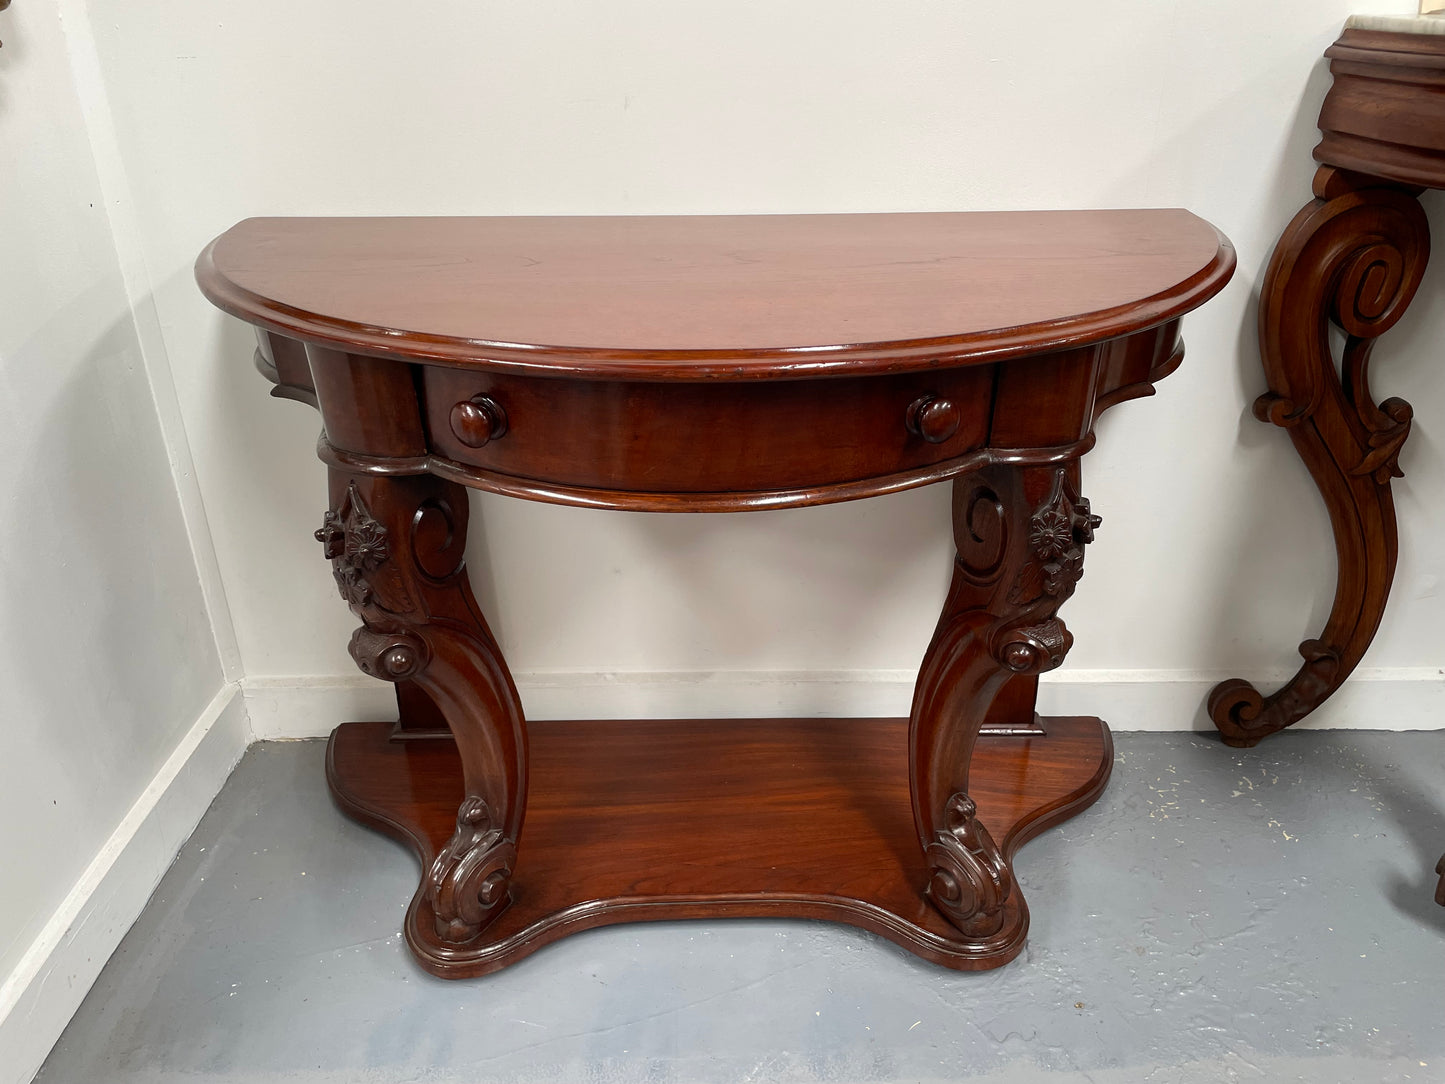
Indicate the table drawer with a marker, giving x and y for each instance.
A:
(705, 436)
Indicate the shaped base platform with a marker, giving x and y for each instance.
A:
(670, 819)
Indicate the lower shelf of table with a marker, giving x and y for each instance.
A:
(670, 819)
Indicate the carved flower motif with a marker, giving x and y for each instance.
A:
(1058, 532)
(365, 544)
(1051, 534)
(332, 536)
(356, 544)
(1061, 575)
(352, 585)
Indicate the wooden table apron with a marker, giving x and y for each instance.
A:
(906, 828)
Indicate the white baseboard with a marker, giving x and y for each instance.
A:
(1380, 699)
(39, 997)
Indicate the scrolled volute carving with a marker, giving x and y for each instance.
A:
(390, 656)
(1246, 715)
(1368, 248)
(981, 533)
(1354, 256)
(1375, 282)
(970, 881)
(1033, 649)
(469, 882)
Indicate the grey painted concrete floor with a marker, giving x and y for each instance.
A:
(1218, 916)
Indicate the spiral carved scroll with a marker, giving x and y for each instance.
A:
(467, 884)
(1020, 535)
(1353, 257)
(396, 546)
(971, 880)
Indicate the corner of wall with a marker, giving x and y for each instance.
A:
(130, 256)
(39, 997)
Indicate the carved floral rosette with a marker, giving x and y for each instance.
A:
(1008, 608)
(355, 543)
(468, 882)
(1059, 530)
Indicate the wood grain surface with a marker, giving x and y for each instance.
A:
(714, 364)
(1384, 115)
(669, 819)
(1353, 257)
(717, 297)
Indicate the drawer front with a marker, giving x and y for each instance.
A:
(705, 437)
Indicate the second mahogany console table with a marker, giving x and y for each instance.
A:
(714, 364)
(1354, 257)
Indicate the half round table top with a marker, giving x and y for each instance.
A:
(716, 297)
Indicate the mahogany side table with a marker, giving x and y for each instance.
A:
(714, 364)
(1353, 256)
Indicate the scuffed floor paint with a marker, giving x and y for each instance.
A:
(1219, 916)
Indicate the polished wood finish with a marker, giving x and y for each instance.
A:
(748, 297)
(563, 432)
(714, 365)
(1382, 115)
(396, 547)
(1019, 536)
(1353, 256)
(765, 818)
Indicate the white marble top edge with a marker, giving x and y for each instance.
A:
(1398, 24)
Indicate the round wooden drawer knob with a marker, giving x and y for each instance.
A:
(478, 420)
(933, 418)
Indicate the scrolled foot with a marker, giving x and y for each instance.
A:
(1020, 536)
(1245, 716)
(396, 546)
(469, 882)
(1234, 705)
(970, 881)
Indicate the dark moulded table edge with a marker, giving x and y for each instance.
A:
(770, 363)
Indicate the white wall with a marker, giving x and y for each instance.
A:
(1215, 557)
(111, 666)
(156, 544)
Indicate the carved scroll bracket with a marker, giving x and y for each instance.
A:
(1020, 535)
(1353, 257)
(396, 549)
(971, 880)
(468, 882)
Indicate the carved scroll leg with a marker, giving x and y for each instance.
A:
(396, 546)
(1355, 255)
(1020, 534)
